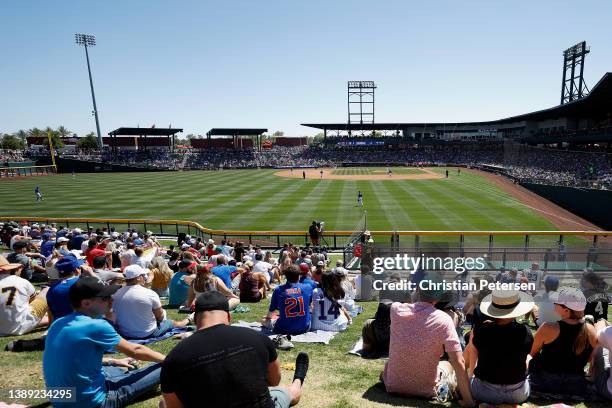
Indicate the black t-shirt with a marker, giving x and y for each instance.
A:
(597, 304)
(221, 366)
(313, 231)
(502, 352)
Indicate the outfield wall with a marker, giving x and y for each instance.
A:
(590, 204)
(65, 165)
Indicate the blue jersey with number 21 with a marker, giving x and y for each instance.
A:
(292, 300)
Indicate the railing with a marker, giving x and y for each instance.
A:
(22, 171)
(337, 239)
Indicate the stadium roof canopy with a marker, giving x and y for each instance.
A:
(138, 131)
(597, 103)
(235, 131)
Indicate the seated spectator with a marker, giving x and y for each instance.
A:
(595, 290)
(138, 310)
(328, 314)
(224, 271)
(305, 276)
(263, 267)
(69, 269)
(376, 332)
(304, 257)
(93, 251)
(178, 288)
(75, 347)
(318, 272)
(545, 306)
(62, 246)
(144, 263)
(562, 349)
(128, 257)
(21, 308)
(161, 276)
(602, 376)
(292, 301)
(253, 285)
(501, 346)
(204, 281)
(227, 366)
(31, 271)
(103, 273)
(419, 335)
(47, 245)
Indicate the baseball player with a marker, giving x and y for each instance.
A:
(360, 199)
(38, 194)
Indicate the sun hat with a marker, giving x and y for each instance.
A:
(5, 265)
(572, 298)
(134, 271)
(506, 304)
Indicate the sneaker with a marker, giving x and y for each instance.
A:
(282, 342)
(301, 366)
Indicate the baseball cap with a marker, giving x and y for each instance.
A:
(212, 300)
(21, 244)
(304, 267)
(68, 264)
(46, 235)
(89, 287)
(320, 263)
(5, 265)
(572, 298)
(185, 246)
(186, 263)
(63, 239)
(134, 271)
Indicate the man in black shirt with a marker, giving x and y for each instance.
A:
(315, 233)
(225, 366)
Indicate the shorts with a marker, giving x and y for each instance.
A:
(280, 397)
(39, 307)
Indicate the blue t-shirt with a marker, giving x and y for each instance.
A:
(179, 290)
(224, 272)
(58, 298)
(292, 300)
(73, 354)
(46, 249)
(75, 242)
(308, 281)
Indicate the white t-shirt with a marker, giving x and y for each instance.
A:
(133, 306)
(264, 268)
(604, 337)
(143, 262)
(546, 309)
(326, 315)
(15, 313)
(128, 258)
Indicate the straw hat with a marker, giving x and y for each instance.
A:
(506, 304)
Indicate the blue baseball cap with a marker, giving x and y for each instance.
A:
(68, 264)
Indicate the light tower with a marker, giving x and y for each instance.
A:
(87, 40)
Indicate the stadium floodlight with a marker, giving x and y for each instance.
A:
(87, 40)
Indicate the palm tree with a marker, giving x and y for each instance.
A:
(62, 131)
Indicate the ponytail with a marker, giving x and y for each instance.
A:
(582, 339)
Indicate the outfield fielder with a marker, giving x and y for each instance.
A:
(360, 199)
(38, 194)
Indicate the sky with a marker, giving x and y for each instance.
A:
(276, 64)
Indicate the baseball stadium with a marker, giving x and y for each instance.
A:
(250, 269)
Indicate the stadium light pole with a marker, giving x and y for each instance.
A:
(89, 40)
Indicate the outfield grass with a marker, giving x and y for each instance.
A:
(259, 200)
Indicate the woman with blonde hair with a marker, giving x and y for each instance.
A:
(161, 276)
(204, 281)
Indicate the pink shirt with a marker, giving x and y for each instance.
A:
(419, 335)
